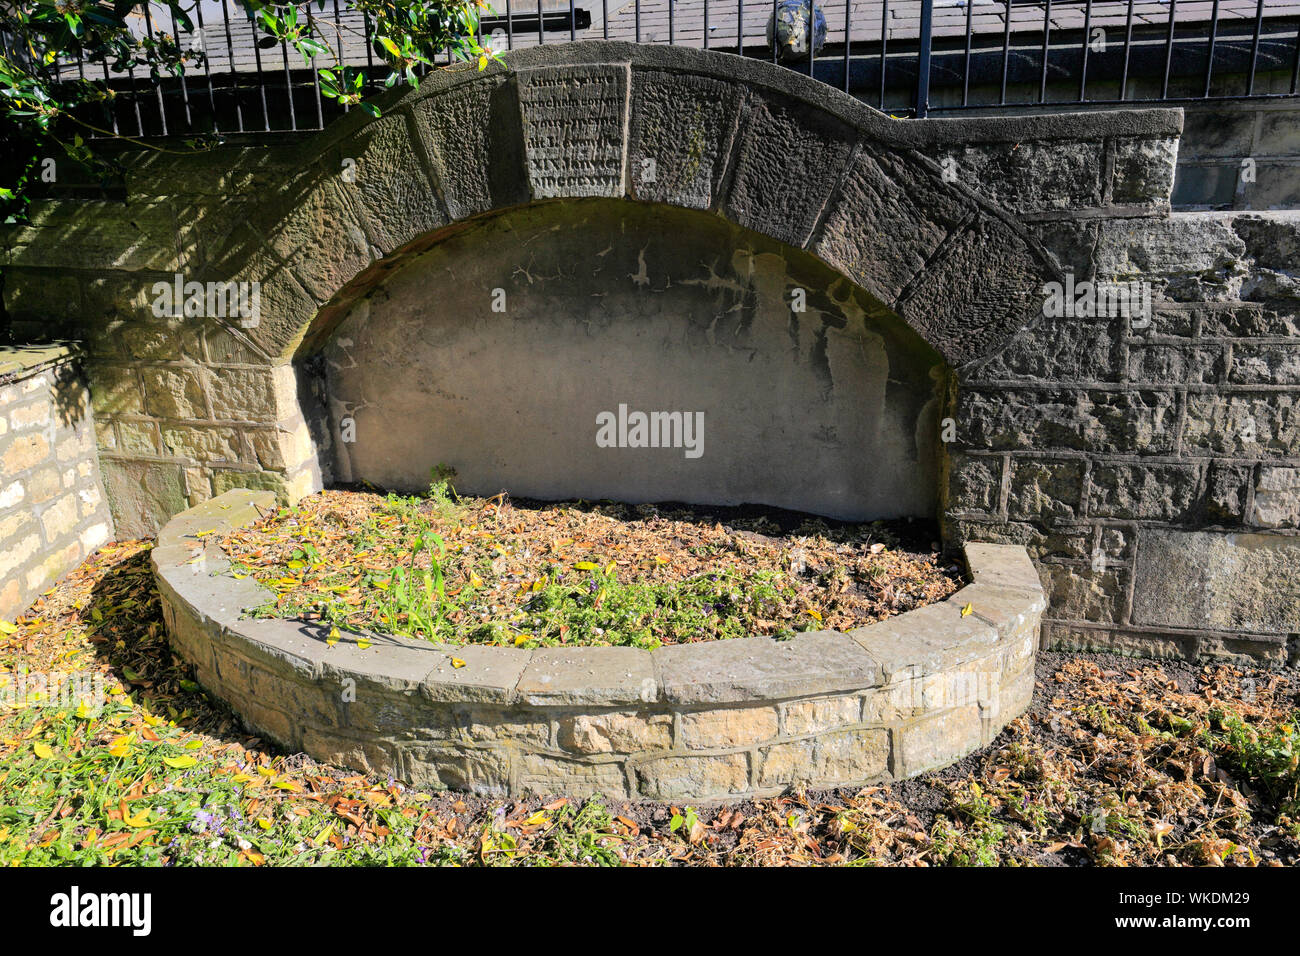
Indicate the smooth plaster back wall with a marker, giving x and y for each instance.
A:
(833, 410)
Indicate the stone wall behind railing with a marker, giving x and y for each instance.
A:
(1151, 470)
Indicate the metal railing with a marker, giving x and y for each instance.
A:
(907, 57)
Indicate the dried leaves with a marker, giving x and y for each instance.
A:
(487, 571)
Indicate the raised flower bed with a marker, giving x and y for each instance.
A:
(683, 722)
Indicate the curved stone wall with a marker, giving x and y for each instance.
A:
(698, 723)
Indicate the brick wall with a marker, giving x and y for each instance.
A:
(52, 509)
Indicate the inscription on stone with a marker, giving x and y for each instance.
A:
(574, 129)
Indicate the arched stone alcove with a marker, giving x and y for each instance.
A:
(605, 349)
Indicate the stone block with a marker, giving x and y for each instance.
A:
(143, 494)
(1081, 594)
(547, 775)
(682, 126)
(787, 163)
(986, 269)
(1218, 581)
(392, 188)
(1132, 422)
(1144, 491)
(975, 483)
(589, 675)
(59, 518)
(314, 223)
(574, 126)
(1143, 170)
(174, 393)
(23, 452)
(846, 756)
(623, 732)
(937, 739)
(1164, 364)
(1045, 490)
(472, 131)
(1028, 176)
(1244, 424)
(202, 443)
(1265, 364)
(1059, 350)
(1277, 497)
(751, 668)
(821, 714)
(435, 767)
(487, 674)
(733, 727)
(886, 221)
(703, 777)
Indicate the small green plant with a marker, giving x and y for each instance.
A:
(1268, 756)
(976, 846)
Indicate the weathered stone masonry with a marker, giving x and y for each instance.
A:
(1150, 472)
(52, 508)
(695, 722)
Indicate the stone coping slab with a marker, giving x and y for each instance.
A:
(19, 360)
(700, 722)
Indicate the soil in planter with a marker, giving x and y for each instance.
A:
(530, 574)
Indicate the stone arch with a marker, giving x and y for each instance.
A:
(499, 350)
(770, 150)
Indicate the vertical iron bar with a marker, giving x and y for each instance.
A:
(848, 40)
(1006, 52)
(923, 60)
(288, 83)
(573, 22)
(370, 47)
(540, 38)
(1047, 42)
(965, 74)
(157, 81)
(207, 67)
(1254, 47)
(1128, 50)
(135, 100)
(1169, 50)
(510, 27)
(638, 21)
(1214, 36)
(604, 17)
(112, 110)
(884, 43)
(1295, 67)
(670, 22)
(1087, 40)
(774, 30)
(343, 60)
(812, 34)
(706, 24)
(740, 27)
(185, 90)
(315, 77)
(261, 76)
(234, 74)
